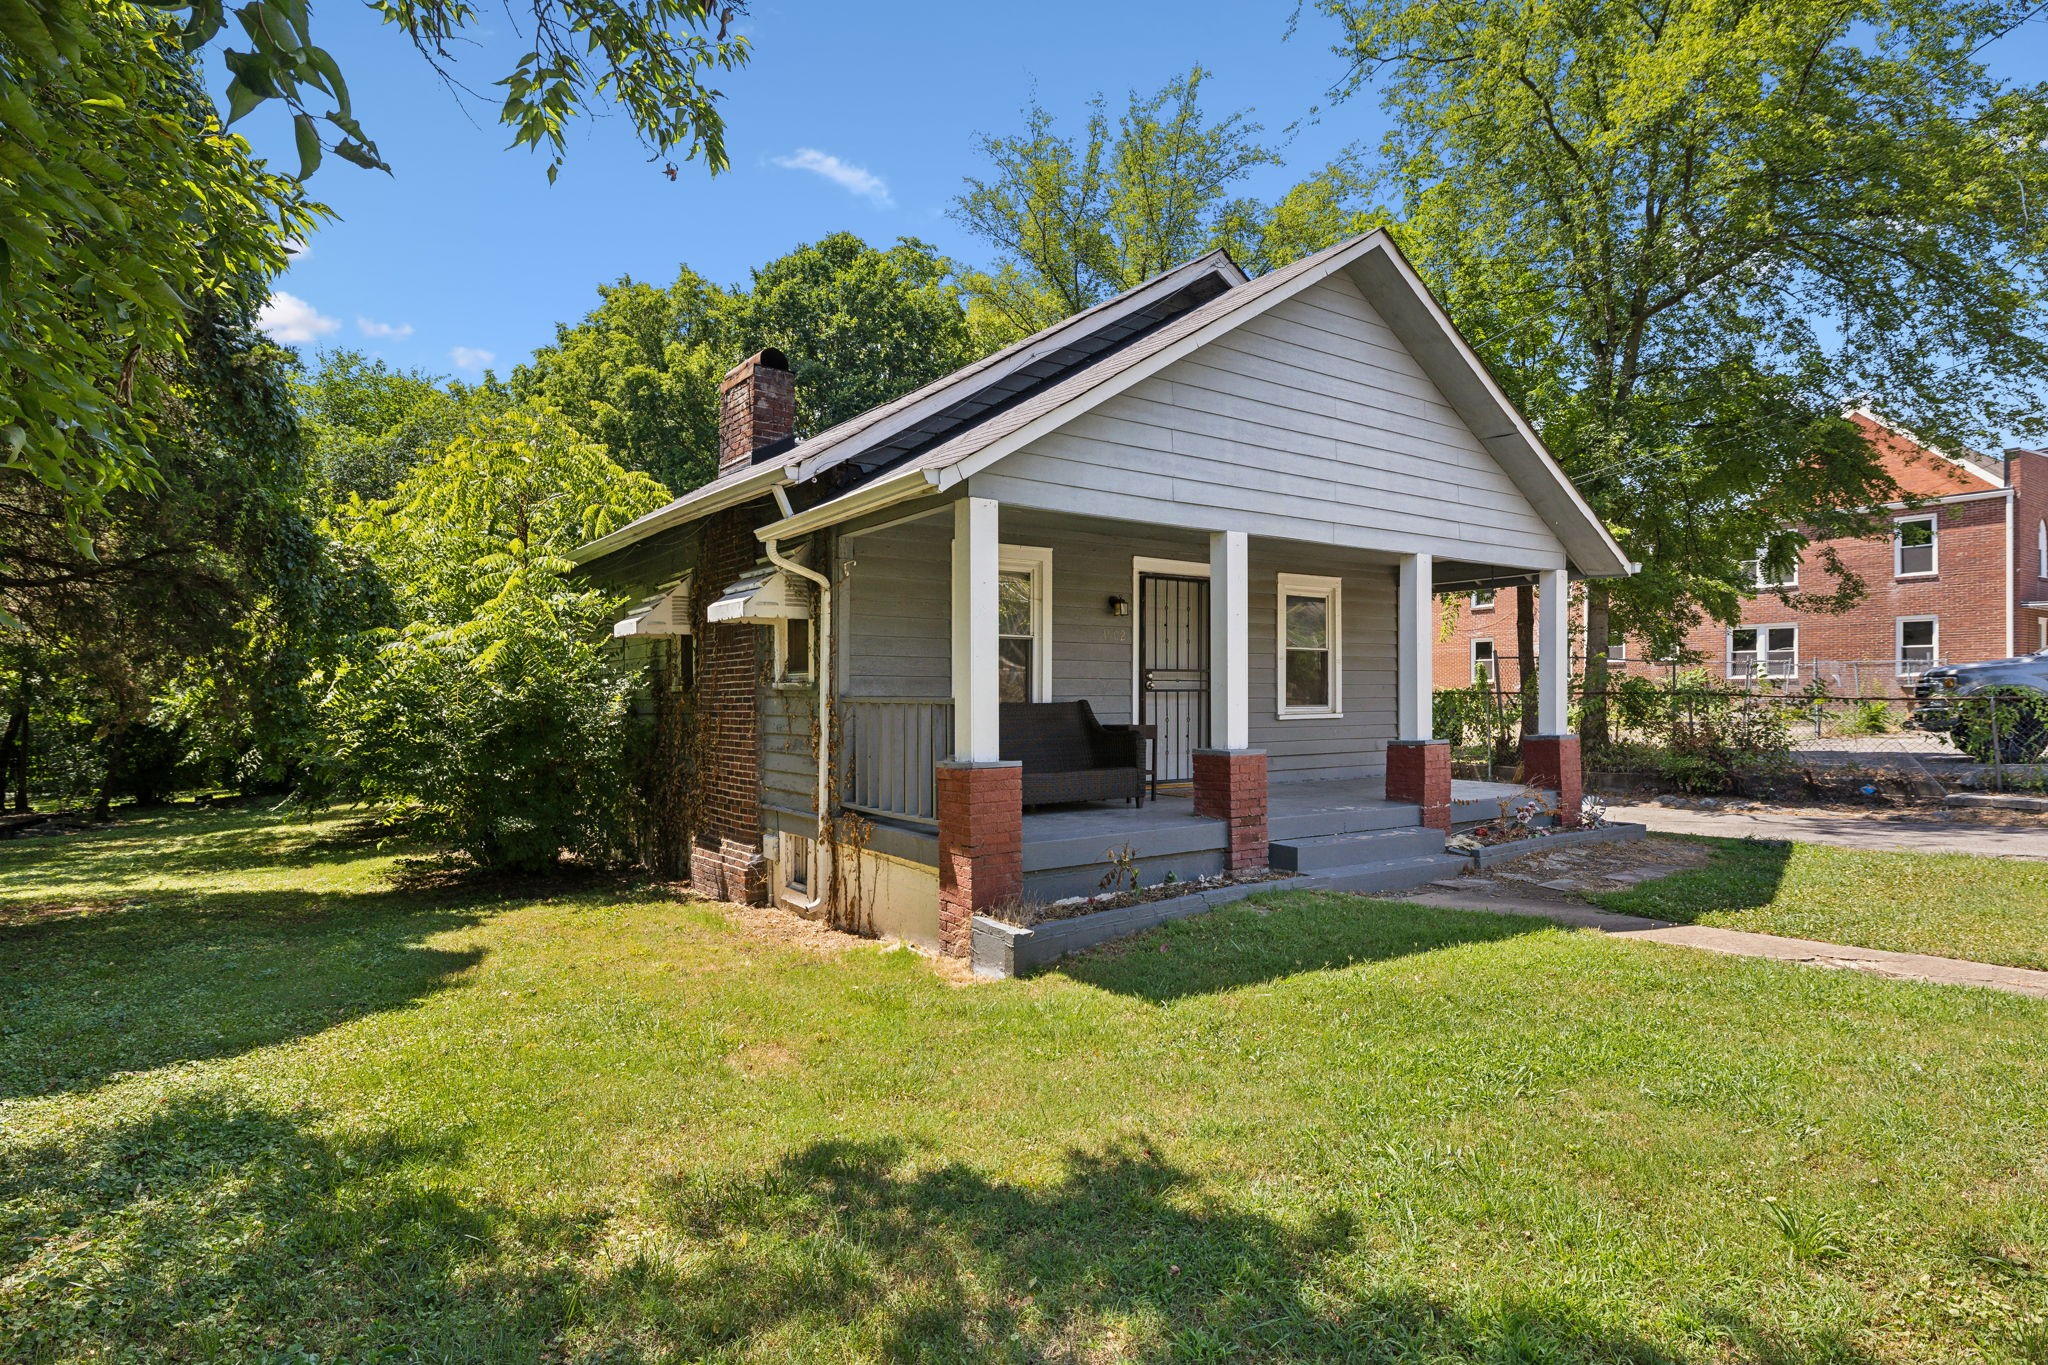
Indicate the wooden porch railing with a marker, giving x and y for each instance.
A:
(891, 746)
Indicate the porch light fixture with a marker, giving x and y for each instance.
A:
(1119, 606)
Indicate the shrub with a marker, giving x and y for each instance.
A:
(1871, 716)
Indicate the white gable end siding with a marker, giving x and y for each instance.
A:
(1309, 422)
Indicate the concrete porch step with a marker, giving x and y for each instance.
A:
(1470, 811)
(1317, 853)
(1398, 874)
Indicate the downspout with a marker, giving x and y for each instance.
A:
(825, 865)
(2012, 582)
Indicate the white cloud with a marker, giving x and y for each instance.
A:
(290, 319)
(471, 357)
(853, 179)
(396, 331)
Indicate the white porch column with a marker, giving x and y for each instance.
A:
(1415, 648)
(1230, 663)
(977, 732)
(1553, 653)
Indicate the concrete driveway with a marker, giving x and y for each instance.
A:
(1882, 830)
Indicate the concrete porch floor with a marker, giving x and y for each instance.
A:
(1168, 828)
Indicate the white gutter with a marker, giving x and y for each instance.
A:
(886, 491)
(824, 865)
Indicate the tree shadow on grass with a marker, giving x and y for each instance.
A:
(1746, 874)
(1278, 935)
(1121, 1258)
(216, 1229)
(87, 997)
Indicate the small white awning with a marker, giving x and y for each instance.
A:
(765, 595)
(664, 614)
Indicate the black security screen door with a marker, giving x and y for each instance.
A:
(1173, 669)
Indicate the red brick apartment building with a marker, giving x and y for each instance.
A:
(1963, 576)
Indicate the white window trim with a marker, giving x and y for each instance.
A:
(1331, 590)
(785, 678)
(789, 849)
(1492, 600)
(1763, 649)
(1614, 657)
(2041, 546)
(1171, 568)
(1899, 625)
(1035, 560)
(1899, 546)
(1756, 573)
(1493, 665)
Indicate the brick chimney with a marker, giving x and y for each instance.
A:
(756, 408)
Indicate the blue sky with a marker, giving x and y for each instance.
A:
(850, 116)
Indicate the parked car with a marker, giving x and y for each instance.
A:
(2000, 704)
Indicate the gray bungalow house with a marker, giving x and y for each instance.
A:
(1215, 509)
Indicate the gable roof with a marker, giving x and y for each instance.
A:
(911, 448)
(1920, 469)
(883, 435)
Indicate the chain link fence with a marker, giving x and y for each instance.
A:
(1694, 736)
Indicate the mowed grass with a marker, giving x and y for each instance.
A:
(1947, 904)
(260, 1106)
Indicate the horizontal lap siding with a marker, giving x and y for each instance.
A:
(1348, 746)
(789, 745)
(1310, 422)
(898, 612)
(1091, 562)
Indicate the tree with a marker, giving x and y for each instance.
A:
(492, 709)
(861, 325)
(216, 574)
(124, 204)
(1077, 220)
(1685, 233)
(366, 425)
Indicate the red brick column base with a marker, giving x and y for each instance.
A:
(981, 845)
(1419, 770)
(1553, 761)
(1230, 785)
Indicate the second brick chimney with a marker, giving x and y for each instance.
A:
(756, 408)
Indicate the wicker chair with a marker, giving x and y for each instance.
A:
(1068, 755)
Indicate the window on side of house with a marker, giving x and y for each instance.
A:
(1914, 550)
(793, 662)
(1483, 599)
(1483, 662)
(1763, 652)
(2041, 547)
(1617, 652)
(1310, 667)
(1023, 619)
(793, 867)
(1919, 641)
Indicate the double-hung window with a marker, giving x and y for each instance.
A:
(1767, 578)
(1023, 617)
(1914, 547)
(1483, 599)
(1763, 652)
(1483, 662)
(1919, 640)
(1310, 663)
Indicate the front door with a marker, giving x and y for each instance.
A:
(1173, 669)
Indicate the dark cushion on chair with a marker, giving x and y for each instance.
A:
(1068, 755)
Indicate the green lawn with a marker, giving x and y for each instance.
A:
(1948, 904)
(256, 1105)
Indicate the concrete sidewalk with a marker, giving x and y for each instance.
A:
(1880, 830)
(1945, 971)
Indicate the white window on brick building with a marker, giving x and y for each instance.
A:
(1773, 572)
(1919, 640)
(1483, 599)
(1483, 662)
(1763, 652)
(1617, 652)
(1914, 549)
(2041, 547)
